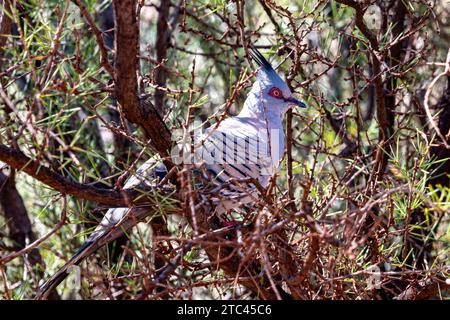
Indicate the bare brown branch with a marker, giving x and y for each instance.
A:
(139, 111)
(19, 161)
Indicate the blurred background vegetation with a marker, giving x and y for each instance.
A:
(364, 184)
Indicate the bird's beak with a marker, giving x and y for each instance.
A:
(296, 102)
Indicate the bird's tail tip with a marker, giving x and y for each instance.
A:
(62, 273)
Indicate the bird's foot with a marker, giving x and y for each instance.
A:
(229, 223)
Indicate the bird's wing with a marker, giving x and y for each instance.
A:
(235, 155)
(234, 151)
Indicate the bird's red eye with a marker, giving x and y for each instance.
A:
(276, 93)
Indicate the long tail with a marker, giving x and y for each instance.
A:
(116, 222)
(64, 271)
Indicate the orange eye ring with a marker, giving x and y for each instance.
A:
(276, 93)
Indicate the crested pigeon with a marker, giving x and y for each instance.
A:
(246, 148)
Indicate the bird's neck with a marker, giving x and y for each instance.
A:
(269, 124)
(256, 109)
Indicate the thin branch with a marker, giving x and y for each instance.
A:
(36, 243)
(98, 37)
(55, 46)
(446, 72)
(18, 160)
(423, 290)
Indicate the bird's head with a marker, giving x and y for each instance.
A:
(270, 88)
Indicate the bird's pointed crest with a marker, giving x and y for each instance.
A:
(260, 59)
(267, 77)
